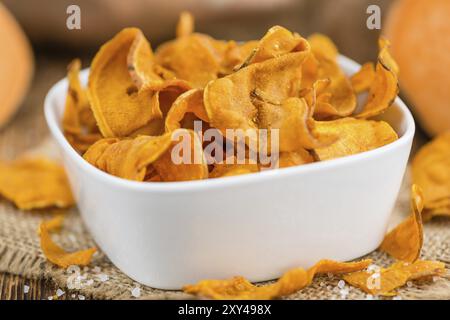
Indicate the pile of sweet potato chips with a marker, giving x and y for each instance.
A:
(136, 100)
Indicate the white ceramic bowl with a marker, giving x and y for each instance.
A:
(166, 235)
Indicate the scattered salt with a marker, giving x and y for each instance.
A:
(81, 297)
(59, 293)
(102, 277)
(97, 269)
(397, 298)
(50, 298)
(26, 289)
(341, 284)
(136, 292)
(369, 297)
(73, 295)
(73, 269)
(90, 282)
(409, 284)
(322, 284)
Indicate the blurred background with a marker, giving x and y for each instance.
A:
(52, 46)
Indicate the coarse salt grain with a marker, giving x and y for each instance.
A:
(50, 298)
(397, 298)
(26, 289)
(102, 277)
(59, 293)
(341, 284)
(369, 297)
(97, 269)
(322, 284)
(409, 284)
(81, 297)
(136, 292)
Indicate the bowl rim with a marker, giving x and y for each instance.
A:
(52, 123)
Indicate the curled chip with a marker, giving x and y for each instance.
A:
(384, 281)
(57, 255)
(275, 43)
(131, 158)
(233, 168)
(257, 97)
(296, 158)
(185, 25)
(340, 99)
(431, 170)
(189, 102)
(53, 224)
(79, 125)
(193, 58)
(238, 288)
(18, 181)
(355, 136)
(405, 241)
(119, 106)
(363, 79)
(384, 88)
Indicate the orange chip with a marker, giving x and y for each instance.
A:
(190, 101)
(238, 288)
(58, 256)
(192, 167)
(431, 170)
(185, 26)
(78, 123)
(384, 88)
(19, 180)
(290, 159)
(341, 100)
(256, 97)
(131, 158)
(405, 241)
(53, 224)
(384, 281)
(363, 79)
(232, 168)
(354, 136)
(193, 58)
(118, 105)
(275, 43)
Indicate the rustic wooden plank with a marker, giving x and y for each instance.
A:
(12, 288)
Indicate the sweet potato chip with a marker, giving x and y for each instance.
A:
(58, 256)
(131, 158)
(19, 180)
(405, 241)
(185, 25)
(79, 124)
(256, 97)
(431, 171)
(385, 281)
(128, 158)
(53, 224)
(363, 79)
(384, 88)
(275, 43)
(193, 58)
(296, 158)
(355, 136)
(341, 99)
(193, 166)
(238, 288)
(190, 101)
(232, 168)
(118, 105)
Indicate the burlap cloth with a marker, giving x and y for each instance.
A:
(20, 254)
(19, 244)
